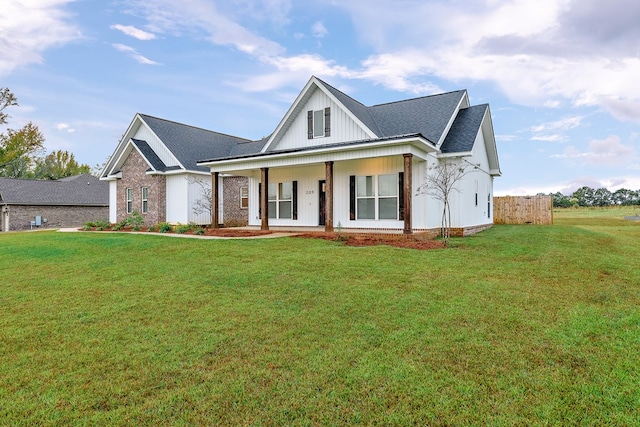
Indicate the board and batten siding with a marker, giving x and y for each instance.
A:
(308, 179)
(343, 127)
(113, 201)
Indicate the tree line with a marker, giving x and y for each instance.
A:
(587, 196)
(22, 152)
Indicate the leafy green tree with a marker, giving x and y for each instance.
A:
(560, 200)
(7, 99)
(584, 195)
(59, 164)
(19, 149)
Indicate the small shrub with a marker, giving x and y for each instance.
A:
(199, 231)
(164, 227)
(135, 221)
(117, 227)
(102, 225)
(183, 228)
(153, 228)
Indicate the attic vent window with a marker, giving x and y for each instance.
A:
(319, 123)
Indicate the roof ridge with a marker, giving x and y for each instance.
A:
(418, 97)
(196, 127)
(338, 90)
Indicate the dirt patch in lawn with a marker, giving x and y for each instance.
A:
(395, 240)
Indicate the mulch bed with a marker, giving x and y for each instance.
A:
(349, 239)
(398, 241)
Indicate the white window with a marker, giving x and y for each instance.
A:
(318, 123)
(281, 200)
(145, 199)
(377, 202)
(129, 194)
(244, 197)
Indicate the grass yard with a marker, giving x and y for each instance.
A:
(519, 325)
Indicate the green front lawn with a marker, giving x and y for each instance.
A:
(519, 325)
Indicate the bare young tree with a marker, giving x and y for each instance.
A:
(204, 203)
(440, 182)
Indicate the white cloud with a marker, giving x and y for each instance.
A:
(549, 138)
(29, 28)
(134, 54)
(319, 30)
(608, 152)
(134, 32)
(562, 124)
(64, 127)
(533, 50)
(201, 17)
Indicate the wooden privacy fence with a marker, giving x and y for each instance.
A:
(523, 210)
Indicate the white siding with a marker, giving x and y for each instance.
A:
(113, 200)
(196, 187)
(343, 127)
(177, 194)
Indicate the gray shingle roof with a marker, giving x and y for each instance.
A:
(464, 129)
(80, 190)
(149, 154)
(190, 144)
(427, 115)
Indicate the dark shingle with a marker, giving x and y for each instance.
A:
(150, 155)
(80, 190)
(427, 115)
(190, 144)
(464, 129)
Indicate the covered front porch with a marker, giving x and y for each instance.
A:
(359, 187)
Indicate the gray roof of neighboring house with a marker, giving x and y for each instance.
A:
(79, 190)
(190, 144)
(464, 129)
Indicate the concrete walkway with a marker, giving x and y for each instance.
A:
(189, 236)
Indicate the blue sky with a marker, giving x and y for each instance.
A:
(561, 76)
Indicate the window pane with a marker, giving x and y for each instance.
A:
(286, 189)
(366, 208)
(285, 210)
(365, 186)
(145, 206)
(318, 123)
(388, 208)
(387, 185)
(273, 188)
(272, 209)
(145, 191)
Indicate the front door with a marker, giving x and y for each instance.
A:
(322, 200)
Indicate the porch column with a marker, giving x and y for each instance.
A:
(215, 200)
(328, 194)
(264, 199)
(408, 162)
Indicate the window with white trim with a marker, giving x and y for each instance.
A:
(145, 199)
(129, 196)
(244, 197)
(377, 197)
(282, 200)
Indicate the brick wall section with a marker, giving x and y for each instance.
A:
(20, 216)
(232, 214)
(134, 176)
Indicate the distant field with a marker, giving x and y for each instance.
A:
(519, 325)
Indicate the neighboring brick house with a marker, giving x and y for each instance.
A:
(153, 171)
(67, 202)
